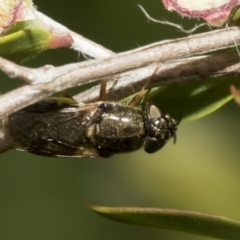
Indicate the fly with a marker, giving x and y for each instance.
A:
(64, 128)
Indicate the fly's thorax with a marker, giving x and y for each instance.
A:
(160, 127)
(118, 128)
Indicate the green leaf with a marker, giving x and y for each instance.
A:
(26, 44)
(177, 220)
(194, 99)
(234, 18)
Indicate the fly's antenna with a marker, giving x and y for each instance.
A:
(174, 130)
(179, 120)
(174, 138)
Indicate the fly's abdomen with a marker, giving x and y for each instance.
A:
(54, 132)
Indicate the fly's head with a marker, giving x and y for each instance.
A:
(160, 127)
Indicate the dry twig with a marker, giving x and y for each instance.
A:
(180, 60)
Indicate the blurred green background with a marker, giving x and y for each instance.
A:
(42, 198)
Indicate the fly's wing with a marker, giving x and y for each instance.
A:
(45, 128)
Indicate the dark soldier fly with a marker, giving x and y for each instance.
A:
(65, 128)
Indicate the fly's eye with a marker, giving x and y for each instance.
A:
(160, 127)
(154, 111)
(152, 145)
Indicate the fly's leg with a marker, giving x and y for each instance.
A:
(102, 93)
(103, 87)
(141, 94)
(97, 116)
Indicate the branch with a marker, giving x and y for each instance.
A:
(80, 43)
(195, 68)
(48, 80)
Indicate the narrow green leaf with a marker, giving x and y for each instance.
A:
(194, 99)
(177, 220)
